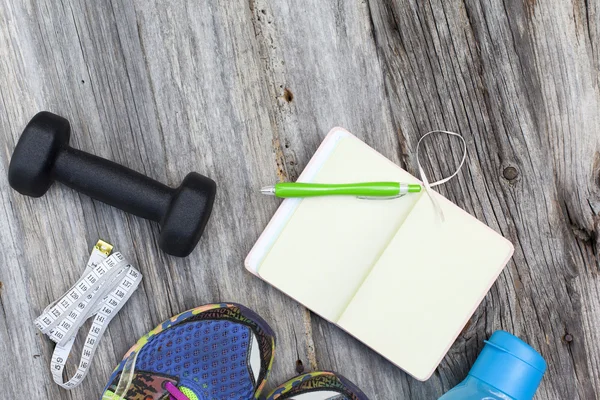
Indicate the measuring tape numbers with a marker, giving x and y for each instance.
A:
(105, 286)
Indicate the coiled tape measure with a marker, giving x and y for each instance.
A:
(105, 286)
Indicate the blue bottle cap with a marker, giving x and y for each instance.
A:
(510, 365)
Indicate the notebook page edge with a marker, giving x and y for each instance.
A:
(312, 310)
(286, 210)
(510, 252)
(476, 306)
(423, 377)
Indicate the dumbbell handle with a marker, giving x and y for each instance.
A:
(112, 183)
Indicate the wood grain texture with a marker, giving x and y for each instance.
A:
(244, 91)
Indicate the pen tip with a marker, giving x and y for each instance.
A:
(268, 190)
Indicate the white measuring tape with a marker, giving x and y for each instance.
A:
(105, 286)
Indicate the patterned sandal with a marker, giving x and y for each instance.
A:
(322, 385)
(217, 351)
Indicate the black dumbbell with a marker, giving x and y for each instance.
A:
(43, 156)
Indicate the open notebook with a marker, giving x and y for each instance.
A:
(389, 272)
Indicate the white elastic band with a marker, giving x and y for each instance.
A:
(426, 183)
(106, 284)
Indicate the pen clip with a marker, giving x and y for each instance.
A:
(380, 197)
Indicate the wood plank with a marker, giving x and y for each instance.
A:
(518, 81)
(464, 67)
(324, 53)
(244, 93)
(163, 90)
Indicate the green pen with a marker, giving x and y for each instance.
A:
(363, 190)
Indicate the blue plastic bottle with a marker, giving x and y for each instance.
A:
(507, 369)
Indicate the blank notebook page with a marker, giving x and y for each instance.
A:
(426, 285)
(329, 245)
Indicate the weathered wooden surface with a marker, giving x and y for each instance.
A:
(244, 91)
